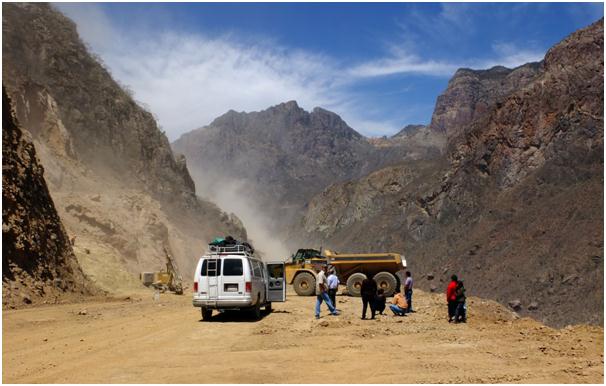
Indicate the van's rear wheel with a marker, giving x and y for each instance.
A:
(304, 284)
(256, 311)
(354, 284)
(206, 314)
(387, 282)
(268, 307)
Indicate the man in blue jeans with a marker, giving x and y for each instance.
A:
(322, 293)
(408, 290)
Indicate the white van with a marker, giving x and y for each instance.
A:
(231, 278)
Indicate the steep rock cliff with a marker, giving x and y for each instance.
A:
(122, 194)
(38, 263)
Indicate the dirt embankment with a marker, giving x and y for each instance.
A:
(139, 340)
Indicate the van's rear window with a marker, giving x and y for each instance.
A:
(232, 267)
(205, 265)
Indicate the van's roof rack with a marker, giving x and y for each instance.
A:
(237, 249)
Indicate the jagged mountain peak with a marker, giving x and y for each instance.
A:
(284, 117)
(408, 129)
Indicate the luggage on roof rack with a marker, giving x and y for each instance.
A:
(230, 245)
(239, 248)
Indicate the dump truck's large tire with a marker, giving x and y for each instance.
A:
(387, 281)
(304, 284)
(354, 284)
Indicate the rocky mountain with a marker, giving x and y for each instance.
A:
(38, 263)
(516, 206)
(284, 155)
(283, 147)
(121, 193)
(470, 93)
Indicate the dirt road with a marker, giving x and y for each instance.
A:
(142, 341)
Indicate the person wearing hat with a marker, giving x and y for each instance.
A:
(333, 286)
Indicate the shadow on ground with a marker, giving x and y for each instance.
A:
(233, 316)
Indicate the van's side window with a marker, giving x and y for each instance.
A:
(256, 268)
(204, 271)
(232, 267)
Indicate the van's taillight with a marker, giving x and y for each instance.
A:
(248, 287)
(195, 286)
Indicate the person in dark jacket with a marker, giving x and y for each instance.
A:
(408, 290)
(451, 297)
(460, 312)
(368, 292)
(380, 301)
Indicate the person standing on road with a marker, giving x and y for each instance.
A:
(333, 286)
(368, 292)
(460, 312)
(408, 290)
(451, 297)
(322, 293)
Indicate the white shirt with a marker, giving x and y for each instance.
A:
(333, 281)
(408, 283)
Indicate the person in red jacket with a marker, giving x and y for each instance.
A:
(451, 297)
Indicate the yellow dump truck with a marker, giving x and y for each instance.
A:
(351, 269)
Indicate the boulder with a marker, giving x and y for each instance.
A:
(515, 305)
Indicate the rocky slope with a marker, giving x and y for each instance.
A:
(516, 208)
(38, 263)
(119, 189)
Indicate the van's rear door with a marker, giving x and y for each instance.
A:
(211, 269)
(233, 283)
(276, 291)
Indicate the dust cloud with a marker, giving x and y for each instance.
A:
(235, 196)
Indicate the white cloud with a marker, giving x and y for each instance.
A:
(509, 55)
(402, 62)
(187, 80)
(408, 64)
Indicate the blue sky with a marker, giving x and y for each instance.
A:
(380, 66)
